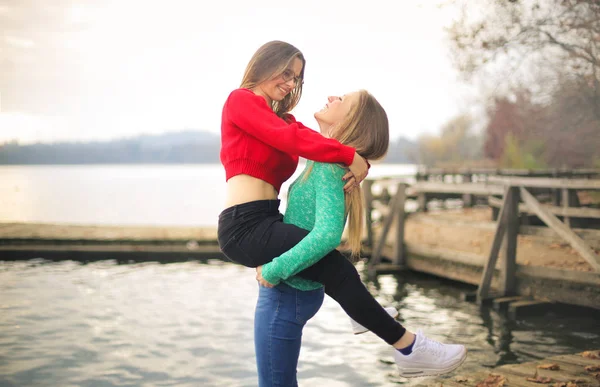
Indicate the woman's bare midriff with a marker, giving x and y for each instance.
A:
(245, 188)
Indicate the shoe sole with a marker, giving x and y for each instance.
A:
(366, 330)
(420, 373)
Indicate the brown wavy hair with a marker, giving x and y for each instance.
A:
(269, 62)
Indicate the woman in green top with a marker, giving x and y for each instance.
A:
(317, 202)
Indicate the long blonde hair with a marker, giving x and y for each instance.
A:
(269, 62)
(366, 129)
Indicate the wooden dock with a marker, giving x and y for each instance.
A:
(577, 370)
(553, 203)
(122, 243)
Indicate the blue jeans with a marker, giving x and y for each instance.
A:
(281, 313)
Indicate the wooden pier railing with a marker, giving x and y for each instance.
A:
(517, 189)
(514, 196)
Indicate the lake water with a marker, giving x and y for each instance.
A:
(180, 195)
(190, 324)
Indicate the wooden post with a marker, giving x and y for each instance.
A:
(509, 263)
(422, 201)
(399, 252)
(490, 265)
(467, 198)
(555, 191)
(368, 196)
(394, 207)
(573, 198)
(566, 204)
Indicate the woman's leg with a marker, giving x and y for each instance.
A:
(254, 233)
(342, 283)
(281, 313)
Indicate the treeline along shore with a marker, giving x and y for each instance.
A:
(185, 147)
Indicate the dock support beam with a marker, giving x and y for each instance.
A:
(507, 220)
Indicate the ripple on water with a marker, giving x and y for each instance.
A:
(190, 324)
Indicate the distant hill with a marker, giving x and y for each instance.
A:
(402, 151)
(188, 146)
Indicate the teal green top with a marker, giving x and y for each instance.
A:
(316, 204)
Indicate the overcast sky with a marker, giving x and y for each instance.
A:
(101, 69)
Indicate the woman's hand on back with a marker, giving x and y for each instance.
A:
(358, 172)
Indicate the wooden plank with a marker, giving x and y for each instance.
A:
(589, 235)
(115, 248)
(134, 253)
(577, 243)
(528, 370)
(456, 223)
(67, 232)
(446, 269)
(582, 288)
(580, 277)
(508, 265)
(580, 212)
(511, 378)
(399, 253)
(543, 182)
(445, 254)
(457, 188)
(517, 374)
(576, 359)
(488, 270)
(570, 371)
(473, 379)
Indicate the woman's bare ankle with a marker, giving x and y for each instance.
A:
(407, 339)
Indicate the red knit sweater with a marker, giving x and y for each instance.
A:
(256, 142)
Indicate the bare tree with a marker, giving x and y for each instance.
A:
(520, 40)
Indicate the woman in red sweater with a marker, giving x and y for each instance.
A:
(261, 144)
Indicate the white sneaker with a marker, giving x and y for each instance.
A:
(358, 329)
(429, 358)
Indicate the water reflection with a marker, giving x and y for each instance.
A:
(499, 334)
(190, 324)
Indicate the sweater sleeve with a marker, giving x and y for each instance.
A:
(325, 236)
(251, 114)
